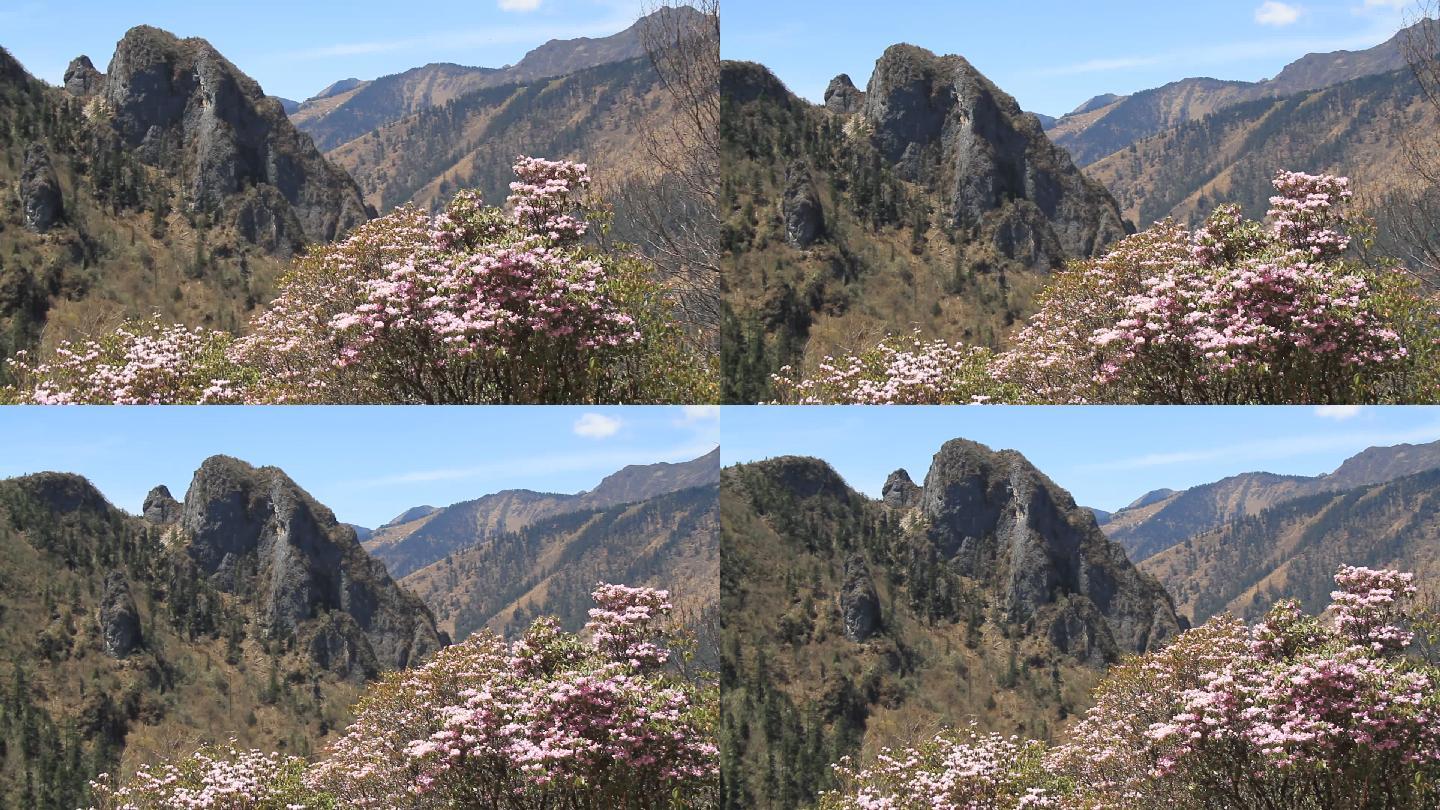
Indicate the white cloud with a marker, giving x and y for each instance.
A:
(519, 5)
(1393, 5)
(1276, 13)
(690, 414)
(1339, 413)
(596, 426)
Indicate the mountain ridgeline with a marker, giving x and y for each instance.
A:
(1109, 123)
(930, 199)
(983, 594)
(425, 535)
(351, 108)
(244, 611)
(1164, 518)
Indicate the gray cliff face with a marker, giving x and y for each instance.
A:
(183, 106)
(82, 79)
(996, 518)
(40, 198)
(843, 97)
(900, 492)
(119, 619)
(939, 122)
(254, 531)
(859, 604)
(804, 218)
(160, 507)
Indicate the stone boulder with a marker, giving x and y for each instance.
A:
(119, 619)
(859, 604)
(800, 207)
(40, 198)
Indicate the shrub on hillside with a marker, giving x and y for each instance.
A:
(1296, 712)
(1233, 312)
(479, 304)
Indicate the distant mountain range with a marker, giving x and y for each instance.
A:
(1163, 518)
(352, 107)
(1109, 123)
(424, 535)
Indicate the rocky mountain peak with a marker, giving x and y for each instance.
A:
(994, 517)
(900, 492)
(940, 122)
(843, 97)
(184, 107)
(255, 531)
(160, 506)
(82, 79)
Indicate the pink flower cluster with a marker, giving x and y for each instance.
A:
(954, 771)
(1290, 712)
(143, 363)
(555, 720)
(897, 371)
(211, 779)
(476, 296)
(1234, 311)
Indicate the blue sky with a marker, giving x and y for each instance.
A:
(368, 464)
(294, 49)
(1054, 54)
(1106, 456)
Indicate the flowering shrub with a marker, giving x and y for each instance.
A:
(1295, 712)
(954, 771)
(1233, 312)
(215, 779)
(141, 363)
(478, 304)
(895, 372)
(553, 720)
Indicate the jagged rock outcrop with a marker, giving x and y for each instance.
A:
(859, 604)
(160, 506)
(843, 97)
(939, 122)
(994, 517)
(800, 207)
(255, 532)
(82, 78)
(184, 107)
(900, 492)
(40, 196)
(119, 619)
